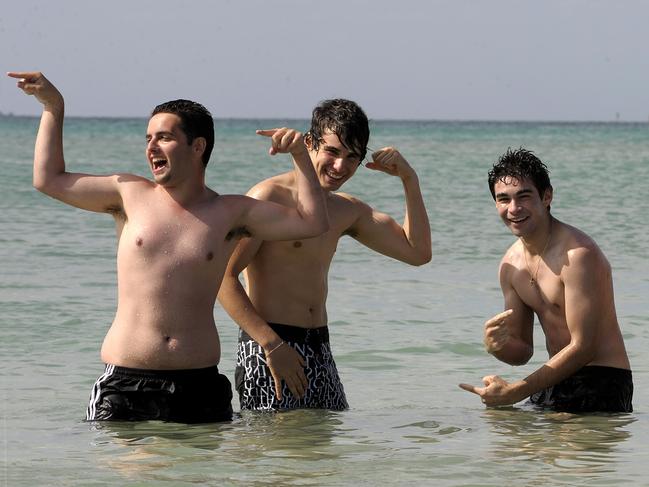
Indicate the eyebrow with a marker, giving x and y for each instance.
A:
(518, 193)
(350, 154)
(162, 132)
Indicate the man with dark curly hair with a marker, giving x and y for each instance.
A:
(560, 274)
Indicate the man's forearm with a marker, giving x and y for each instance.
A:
(416, 225)
(48, 152)
(564, 364)
(237, 304)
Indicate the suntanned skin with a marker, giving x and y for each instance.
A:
(175, 234)
(573, 298)
(287, 281)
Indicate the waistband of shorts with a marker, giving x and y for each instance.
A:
(161, 374)
(290, 333)
(606, 370)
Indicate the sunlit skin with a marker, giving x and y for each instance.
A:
(175, 235)
(287, 282)
(558, 273)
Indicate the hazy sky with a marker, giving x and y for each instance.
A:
(405, 59)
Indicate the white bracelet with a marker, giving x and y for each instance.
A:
(276, 347)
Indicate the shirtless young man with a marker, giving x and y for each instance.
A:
(175, 238)
(283, 318)
(558, 273)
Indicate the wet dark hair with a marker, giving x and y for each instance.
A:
(345, 119)
(195, 121)
(520, 164)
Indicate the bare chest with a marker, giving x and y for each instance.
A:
(182, 238)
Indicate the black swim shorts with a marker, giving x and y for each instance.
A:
(593, 388)
(181, 396)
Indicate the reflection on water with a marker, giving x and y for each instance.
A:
(166, 451)
(580, 443)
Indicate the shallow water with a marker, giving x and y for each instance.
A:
(403, 337)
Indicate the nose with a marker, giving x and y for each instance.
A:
(513, 206)
(339, 163)
(151, 145)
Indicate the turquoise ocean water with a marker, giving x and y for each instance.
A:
(403, 337)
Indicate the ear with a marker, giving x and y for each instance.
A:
(308, 141)
(547, 197)
(199, 145)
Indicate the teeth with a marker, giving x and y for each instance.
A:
(333, 176)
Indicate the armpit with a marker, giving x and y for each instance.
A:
(240, 232)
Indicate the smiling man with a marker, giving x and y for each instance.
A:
(558, 273)
(175, 236)
(283, 317)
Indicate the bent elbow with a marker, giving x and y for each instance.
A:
(421, 258)
(41, 185)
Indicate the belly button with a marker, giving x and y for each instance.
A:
(297, 245)
(210, 256)
(139, 242)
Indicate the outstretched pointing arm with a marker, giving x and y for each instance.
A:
(95, 193)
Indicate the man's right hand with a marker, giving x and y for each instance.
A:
(285, 140)
(285, 363)
(36, 84)
(496, 332)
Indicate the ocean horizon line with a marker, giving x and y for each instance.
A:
(11, 115)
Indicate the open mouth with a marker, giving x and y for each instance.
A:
(159, 164)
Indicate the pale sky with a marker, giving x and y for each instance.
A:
(403, 59)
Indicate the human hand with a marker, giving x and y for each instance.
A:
(496, 332)
(35, 83)
(390, 161)
(285, 140)
(497, 391)
(285, 363)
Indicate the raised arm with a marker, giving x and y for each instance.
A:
(284, 362)
(95, 193)
(409, 242)
(269, 221)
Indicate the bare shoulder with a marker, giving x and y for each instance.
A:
(582, 253)
(277, 188)
(349, 202)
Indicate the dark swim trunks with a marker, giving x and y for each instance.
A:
(181, 396)
(593, 388)
(255, 384)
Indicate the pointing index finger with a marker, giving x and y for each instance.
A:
(470, 388)
(266, 132)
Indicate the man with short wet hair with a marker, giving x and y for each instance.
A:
(560, 274)
(175, 236)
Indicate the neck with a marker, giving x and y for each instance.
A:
(186, 193)
(537, 242)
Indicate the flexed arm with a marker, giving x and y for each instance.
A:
(95, 193)
(269, 221)
(410, 242)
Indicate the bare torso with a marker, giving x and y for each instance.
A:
(170, 263)
(547, 297)
(287, 280)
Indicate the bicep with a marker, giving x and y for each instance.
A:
(381, 233)
(586, 281)
(521, 321)
(266, 220)
(88, 192)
